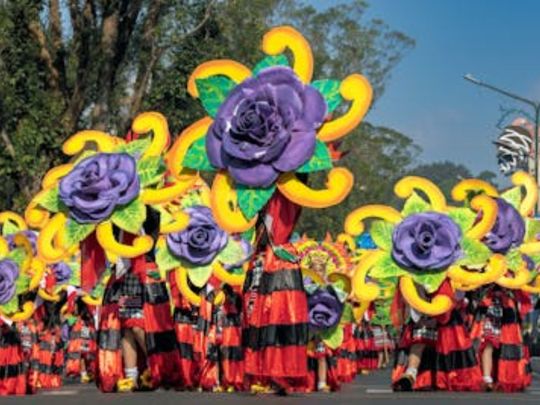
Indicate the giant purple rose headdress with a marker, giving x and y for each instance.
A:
(266, 124)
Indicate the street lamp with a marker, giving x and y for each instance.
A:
(534, 104)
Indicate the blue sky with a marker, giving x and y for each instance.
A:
(427, 99)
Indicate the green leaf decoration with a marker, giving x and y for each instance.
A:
(196, 157)
(284, 254)
(22, 284)
(135, 148)
(463, 217)
(330, 91)
(348, 314)
(321, 160)
(252, 200)
(199, 275)
(213, 91)
(99, 290)
(248, 235)
(474, 252)
(11, 306)
(269, 61)
(533, 229)
(17, 255)
(130, 217)
(386, 268)
(150, 170)
(536, 259)
(415, 205)
(513, 197)
(333, 338)
(75, 278)
(165, 217)
(50, 200)
(75, 232)
(232, 253)
(513, 259)
(431, 281)
(9, 228)
(381, 233)
(165, 259)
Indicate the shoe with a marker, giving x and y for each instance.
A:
(405, 383)
(324, 388)
(86, 379)
(126, 385)
(146, 380)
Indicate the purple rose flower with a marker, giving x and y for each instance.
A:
(98, 184)
(324, 308)
(201, 241)
(62, 272)
(266, 126)
(30, 235)
(8, 274)
(426, 241)
(508, 231)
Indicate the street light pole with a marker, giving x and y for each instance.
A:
(536, 107)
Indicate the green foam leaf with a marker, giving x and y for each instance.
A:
(333, 338)
(321, 160)
(50, 200)
(165, 259)
(9, 228)
(386, 268)
(475, 253)
(330, 91)
(11, 306)
(533, 229)
(513, 259)
(130, 217)
(135, 148)
(17, 255)
(199, 275)
(150, 170)
(196, 157)
(22, 284)
(415, 205)
(213, 91)
(513, 197)
(431, 281)
(463, 217)
(269, 61)
(75, 232)
(381, 233)
(232, 253)
(252, 200)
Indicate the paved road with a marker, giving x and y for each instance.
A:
(372, 389)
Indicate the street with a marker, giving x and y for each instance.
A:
(372, 389)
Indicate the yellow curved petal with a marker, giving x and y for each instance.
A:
(53, 297)
(338, 186)
(362, 290)
(105, 237)
(531, 197)
(220, 298)
(22, 241)
(25, 314)
(315, 277)
(521, 277)
(347, 240)
(36, 217)
(38, 270)
(56, 173)
(462, 189)
(78, 142)
(358, 312)
(354, 223)
(356, 89)
(405, 187)
(278, 39)
(157, 124)
(534, 288)
(178, 151)
(89, 300)
(4, 247)
(226, 277)
(495, 269)
(183, 287)
(47, 249)
(223, 200)
(488, 207)
(169, 193)
(530, 248)
(181, 221)
(6, 216)
(224, 67)
(439, 305)
(464, 287)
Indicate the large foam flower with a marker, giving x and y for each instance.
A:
(8, 274)
(266, 126)
(508, 231)
(62, 272)
(98, 184)
(325, 309)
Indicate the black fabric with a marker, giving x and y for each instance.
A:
(9, 337)
(160, 342)
(456, 360)
(156, 293)
(109, 339)
(11, 371)
(186, 350)
(509, 316)
(283, 280)
(511, 352)
(232, 353)
(275, 335)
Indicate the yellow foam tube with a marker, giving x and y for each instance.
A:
(4, 247)
(89, 300)
(534, 288)
(488, 207)
(405, 187)
(181, 221)
(347, 240)
(180, 147)
(169, 193)
(362, 290)
(13, 217)
(530, 248)
(522, 277)
(338, 186)
(157, 124)
(56, 173)
(461, 190)
(25, 314)
(531, 197)
(53, 297)
(226, 277)
(36, 217)
(495, 269)
(354, 88)
(183, 287)
(439, 305)
(464, 287)
(223, 200)
(105, 237)
(38, 270)
(22, 241)
(45, 241)
(358, 312)
(307, 272)
(77, 143)
(354, 223)
(224, 67)
(278, 39)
